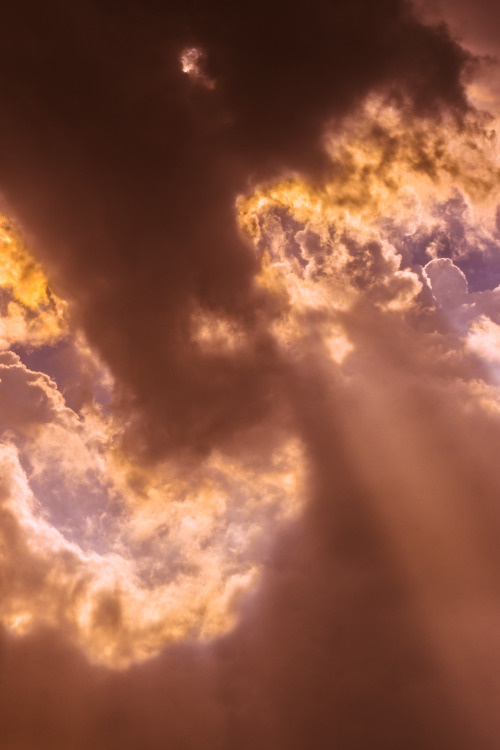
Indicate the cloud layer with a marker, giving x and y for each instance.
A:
(249, 396)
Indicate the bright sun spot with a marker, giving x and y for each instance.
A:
(192, 63)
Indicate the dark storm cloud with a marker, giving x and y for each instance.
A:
(124, 170)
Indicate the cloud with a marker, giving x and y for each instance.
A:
(120, 557)
(125, 174)
(448, 282)
(267, 516)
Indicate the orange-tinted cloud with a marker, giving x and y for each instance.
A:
(267, 515)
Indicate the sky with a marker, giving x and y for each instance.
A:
(249, 375)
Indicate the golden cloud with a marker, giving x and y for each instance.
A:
(125, 557)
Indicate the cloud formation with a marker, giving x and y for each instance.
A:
(248, 457)
(125, 173)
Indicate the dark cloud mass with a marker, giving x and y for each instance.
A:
(125, 171)
(373, 621)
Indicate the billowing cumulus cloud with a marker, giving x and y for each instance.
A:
(121, 557)
(249, 380)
